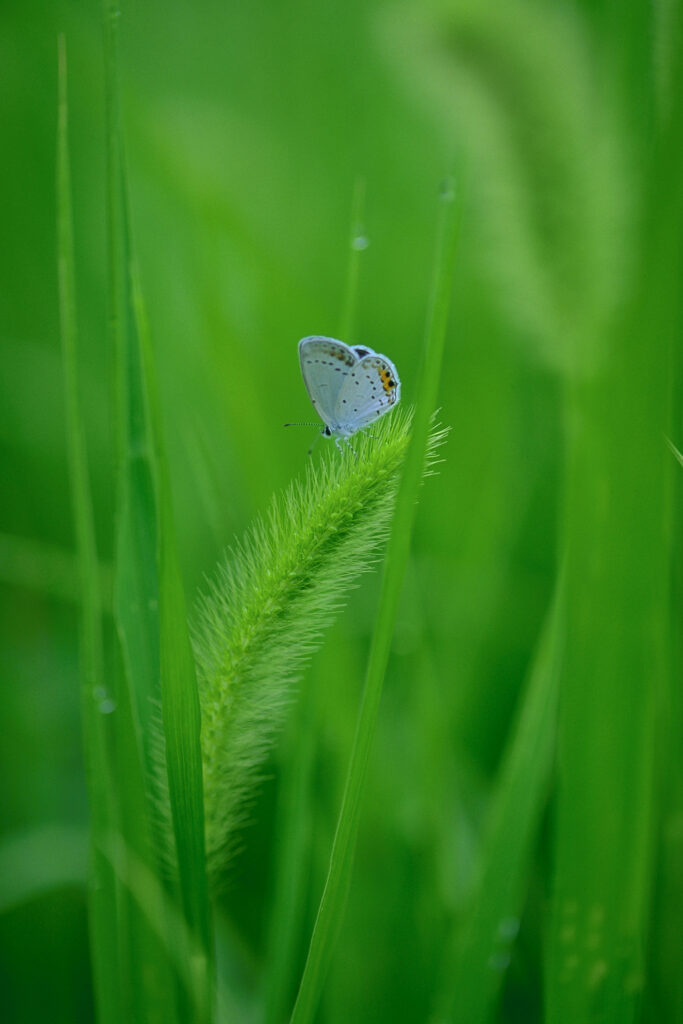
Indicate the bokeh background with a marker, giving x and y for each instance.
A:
(247, 128)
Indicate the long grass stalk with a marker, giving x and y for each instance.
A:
(331, 908)
(180, 711)
(149, 979)
(294, 824)
(150, 606)
(616, 677)
(480, 951)
(295, 812)
(102, 891)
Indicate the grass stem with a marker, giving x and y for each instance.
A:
(331, 909)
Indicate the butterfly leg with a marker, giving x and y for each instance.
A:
(316, 439)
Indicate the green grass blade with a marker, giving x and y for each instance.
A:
(675, 452)
(179, 693)
(182, 726)
(148, 978)
(150, 604)
(293, 864)
(102, 900)
(294, 811)
(617, 654)
(331, 909)
(665, 988)
(180, 704)
(136, 586)
(168, 926)
(613, 742)
(153, 986)
(480, 952)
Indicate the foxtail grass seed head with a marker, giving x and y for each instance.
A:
(265, 610)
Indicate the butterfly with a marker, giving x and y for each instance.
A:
(350, 386)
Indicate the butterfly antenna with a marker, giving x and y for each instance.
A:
(301, 423)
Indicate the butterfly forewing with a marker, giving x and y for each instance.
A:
(325, 366)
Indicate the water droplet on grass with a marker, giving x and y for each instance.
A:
(597, 973)
(447, 190)
(499, 961)
(508, 928)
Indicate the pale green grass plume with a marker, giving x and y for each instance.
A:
(265, 611)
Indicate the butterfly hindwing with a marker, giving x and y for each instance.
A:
(369, 390)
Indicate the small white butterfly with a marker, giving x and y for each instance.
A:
(350, 385)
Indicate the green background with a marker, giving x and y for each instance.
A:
(247, 127)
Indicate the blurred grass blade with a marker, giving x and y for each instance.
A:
(616, 669)
(102, 901)
(331, 909)
(148, 982)
(169, 927)
(675, 452)
(294, 810)
(153, 983)
(180, 704)
(180, 710)
(480, 953)
(150, 605)
(136, 583)
(293, 829)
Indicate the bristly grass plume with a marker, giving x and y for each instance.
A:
(265, 610)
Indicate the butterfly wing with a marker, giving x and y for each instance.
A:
(368, 390)
(325, 365)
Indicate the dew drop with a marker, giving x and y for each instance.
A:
(447, 190)
(360, 242)
(597, 973)
(508, 928)
(499, 961)
(107, 706)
